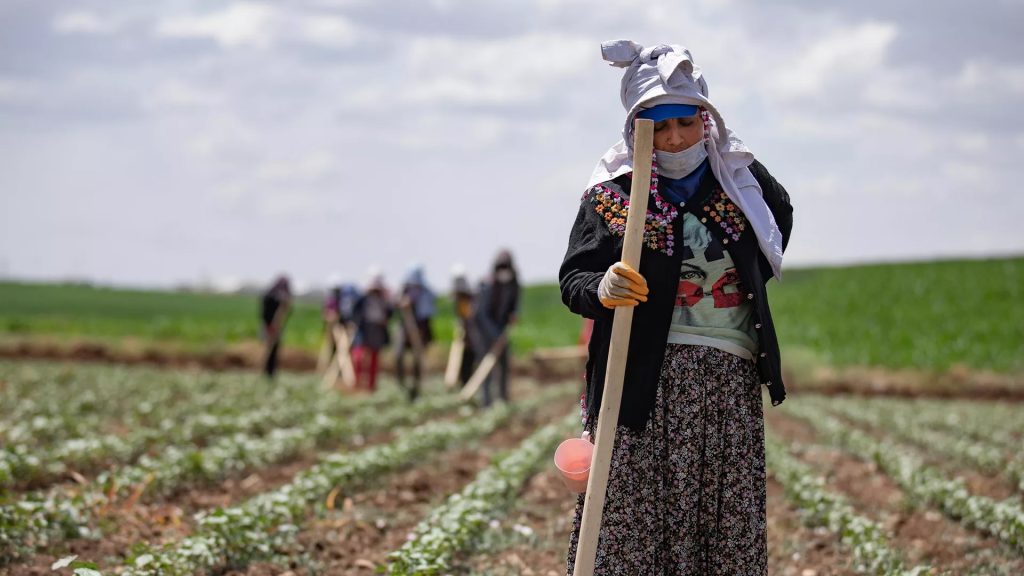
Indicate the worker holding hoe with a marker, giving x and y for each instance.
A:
(494, 312)
(371, 315)
(685, 491)
(417, 305)
(275, 307)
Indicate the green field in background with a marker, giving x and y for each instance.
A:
(200, 321)
(924, 315)
(921, 315)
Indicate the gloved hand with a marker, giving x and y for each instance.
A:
(622, 286)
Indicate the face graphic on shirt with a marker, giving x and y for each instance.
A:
(708, 278)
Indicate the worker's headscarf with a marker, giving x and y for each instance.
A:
(665, 74)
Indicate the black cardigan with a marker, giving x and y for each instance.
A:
(593, 248)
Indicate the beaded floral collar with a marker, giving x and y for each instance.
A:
(721, 209)
(613, 207)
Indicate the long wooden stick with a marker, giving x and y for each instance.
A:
(341, 362)
(485, 367)
(343, 347)
(611, 398)
(451, 372)
(323, 359)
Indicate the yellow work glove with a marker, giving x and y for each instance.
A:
(622, 286)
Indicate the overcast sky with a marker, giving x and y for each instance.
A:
(158, 142)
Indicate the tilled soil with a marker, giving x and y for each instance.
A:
(130, 521)
(923, 536)
(995, 487)
(534, 539)
(356, 537)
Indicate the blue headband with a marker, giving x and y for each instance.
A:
(666, 111)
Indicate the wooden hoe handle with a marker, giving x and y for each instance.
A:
(484, 369)
(608, 417)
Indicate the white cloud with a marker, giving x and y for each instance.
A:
(338, 3)
(225, 140)
(988, 82)
(975, 143)
(256, 124)
(291, 203)
(977, 74)
(518, 69)
(17, 90)
(329, 31)
(824, 185)
(309, 168)
(442, 132)
(177, 94)
(261, 26)
(84, 22)
(240, 24)
(904, 89)
(850, 55)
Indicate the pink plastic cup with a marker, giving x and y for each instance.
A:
(572, 458)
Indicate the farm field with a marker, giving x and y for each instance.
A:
(210, 322)
(909, 316)
(262, 265)
(141, 471)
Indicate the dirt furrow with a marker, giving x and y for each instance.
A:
(534, 539)
(356, 537)
(923, 536)
(978, 482)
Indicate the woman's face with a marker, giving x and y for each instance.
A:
(678, 134)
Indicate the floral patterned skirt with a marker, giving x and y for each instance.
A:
(686, 496)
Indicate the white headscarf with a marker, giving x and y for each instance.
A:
(666, 74)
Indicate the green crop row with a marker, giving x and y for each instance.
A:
(41, 404)
(25, 464)
(453, 526)
(35, 520)
(922, 483)
(820, 507)
(997, 425)
(904, 425)
(239, 535)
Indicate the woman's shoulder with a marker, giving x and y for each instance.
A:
(772, 190)
(763, 176)
(614, 191)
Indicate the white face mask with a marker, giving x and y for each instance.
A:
(679, 164)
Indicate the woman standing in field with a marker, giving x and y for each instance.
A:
(417, 305)
(371, 316)
(275, 305)
(686, 491)
(495, 311)
(462, 300)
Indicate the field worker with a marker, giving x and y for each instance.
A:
(371, 316)
(275, 306)
(348, 296)
(496, 307)
(417, 305)
(339, 303)
(686, 492)
(462, 299)
(330, 312)
(338, 309)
